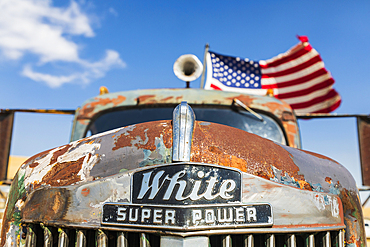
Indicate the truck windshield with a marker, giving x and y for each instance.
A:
(239, 119)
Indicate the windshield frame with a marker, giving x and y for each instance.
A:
(194, 106)
(281, 112)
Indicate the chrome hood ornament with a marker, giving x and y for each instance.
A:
(183, 126)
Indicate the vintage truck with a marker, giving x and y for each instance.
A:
(183, 167)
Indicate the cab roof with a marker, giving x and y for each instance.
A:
(98, 105)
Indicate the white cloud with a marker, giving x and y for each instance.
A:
(92, 71)
(36, 27)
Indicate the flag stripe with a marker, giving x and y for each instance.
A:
(323, 107)
(304, 58)
(332, 107)
(294, 69)
(304, 104)
(303, 92)
(285, 57)
(293, 82)
(215, 87)
(303, 86)
(306, 98)
(298, 75)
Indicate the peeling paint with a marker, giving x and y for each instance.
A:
(160, 155)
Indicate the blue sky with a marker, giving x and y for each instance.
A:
(56, 54)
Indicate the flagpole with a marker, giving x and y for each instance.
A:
(204, 65)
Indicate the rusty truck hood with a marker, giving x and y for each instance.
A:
(107, 155)
(150, 143)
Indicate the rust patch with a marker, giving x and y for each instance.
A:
(276, 108)
(33, 165)
(217, 144)
(118, 100)
(292, 131)
(85, 191)
(269, 186)
(82, 121)
(262, 174)
(328, 180)
(179, 98)
(319, 156)
(304, 185)
(353, 216)
(88, 109)
(144, 134)
(48, 204)
(63, 173)
(168, 98)
(56, 204)
(214, 150)
(58, 153)
(141, 99)
(246, 99)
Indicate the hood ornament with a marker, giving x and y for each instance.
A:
(183, 126)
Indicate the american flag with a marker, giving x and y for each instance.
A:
(297, 76)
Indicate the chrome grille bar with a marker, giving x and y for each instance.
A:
(311, 240)
(226, 241)
(30, 237)
(270, 240)
(341, 238)
(122, 240)
(81, 238)
(327, 240)
(62, 238)
(248, 240)
(48, 236)
(292, 241)
(144, 240)
(101, 239)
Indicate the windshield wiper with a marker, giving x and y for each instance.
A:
(241, 104)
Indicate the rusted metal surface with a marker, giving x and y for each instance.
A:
(73, 180)
(6, 129)
(147, 98)
(363, 126)
(213, 143)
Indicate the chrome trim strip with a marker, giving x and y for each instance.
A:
(183, 126)
(189, 228)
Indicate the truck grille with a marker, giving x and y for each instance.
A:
(40, 235)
